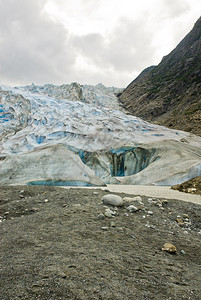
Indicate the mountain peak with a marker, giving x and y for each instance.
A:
(169, 94)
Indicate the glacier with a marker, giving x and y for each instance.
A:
(80, 135)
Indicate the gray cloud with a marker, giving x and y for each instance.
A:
(175, 8)
(33, 48)
(129, 47)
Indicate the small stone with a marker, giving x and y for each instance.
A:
(141, 207)
(170, 248)
(180, 221)
(95, 193)
(62, 275)
(111, 199)
(120, 229)
(128, 199)
(112, 224)
(186, 216)
(64, 205)
(33, 209)
(112, 212)
(6, 213)
(150, 200)
(191, 190)
(132, 208)
(46, 200)
(182, 251)
(104, 228)
(21, 194)
(137, 198)
(150, 212)
(108, 214)
(101, 217)
(78, 205)
(186, 224)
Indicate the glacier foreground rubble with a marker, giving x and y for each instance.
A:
(80, 135)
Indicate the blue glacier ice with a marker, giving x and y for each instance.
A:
(88, 121)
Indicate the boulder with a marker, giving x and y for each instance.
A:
(111, 199)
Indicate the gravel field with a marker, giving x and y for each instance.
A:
(66, 244)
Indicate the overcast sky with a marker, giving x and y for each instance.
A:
(88, 41)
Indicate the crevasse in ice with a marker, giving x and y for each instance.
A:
(88, 121)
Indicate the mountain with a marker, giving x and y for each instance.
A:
(170, 94)
(79, 135)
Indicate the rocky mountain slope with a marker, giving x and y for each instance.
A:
(78, 135)
(170, 93)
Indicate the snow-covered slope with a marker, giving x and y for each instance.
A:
(89, 122)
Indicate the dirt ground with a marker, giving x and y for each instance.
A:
(57, 244)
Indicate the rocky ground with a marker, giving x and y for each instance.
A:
(67, 244)
(192, 186)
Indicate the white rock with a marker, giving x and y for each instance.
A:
(104, 228)
(150, 200)
(128, 199)
(132, 208)
(108, 214)
(137, 198)
(113, 200)
(77, 205)
(95, 193)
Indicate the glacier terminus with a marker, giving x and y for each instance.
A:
(81, 135)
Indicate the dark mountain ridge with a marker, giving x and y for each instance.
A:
(170, 94)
